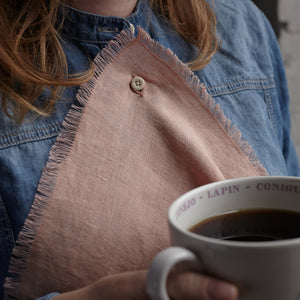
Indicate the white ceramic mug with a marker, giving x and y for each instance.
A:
(268, 270)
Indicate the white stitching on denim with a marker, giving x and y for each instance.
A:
(270, 110)
(232, 87)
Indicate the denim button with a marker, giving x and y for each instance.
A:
(137, 83)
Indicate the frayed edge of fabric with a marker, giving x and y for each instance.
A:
(199, 90)
(65, 139)
(58, 153)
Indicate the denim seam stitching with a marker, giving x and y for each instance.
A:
(229, 89)
(271, 79)
(54, 127)
(84, 40)
(26, 140)
(270, 110)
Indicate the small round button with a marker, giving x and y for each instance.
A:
(132, 28)
(137, 83)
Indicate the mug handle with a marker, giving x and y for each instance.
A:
(160, 267)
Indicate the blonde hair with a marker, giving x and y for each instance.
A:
(196, 22)
(31, 56)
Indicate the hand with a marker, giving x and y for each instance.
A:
(194, 286)
(132, 286)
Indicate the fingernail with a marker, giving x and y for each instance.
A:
(222, 291)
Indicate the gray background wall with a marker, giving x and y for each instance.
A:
(289, 11)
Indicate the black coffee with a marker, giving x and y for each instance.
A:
(251, 225)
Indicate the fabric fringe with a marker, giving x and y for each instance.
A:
(65, 139)
(57, 155)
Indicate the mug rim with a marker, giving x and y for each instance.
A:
(240, 244)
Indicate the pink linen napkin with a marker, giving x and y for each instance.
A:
(120, 161)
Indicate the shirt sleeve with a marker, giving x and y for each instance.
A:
(288, 148)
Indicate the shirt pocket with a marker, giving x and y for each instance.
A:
(250, 95)
(252, 107)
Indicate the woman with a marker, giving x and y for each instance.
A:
(51, 45)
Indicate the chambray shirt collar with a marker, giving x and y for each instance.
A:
(91, 28)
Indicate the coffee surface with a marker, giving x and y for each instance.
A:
(251, 225)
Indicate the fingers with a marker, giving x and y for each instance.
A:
(131, 286)
(192, 286)
(125, 286)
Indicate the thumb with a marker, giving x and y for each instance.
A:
(190, 286)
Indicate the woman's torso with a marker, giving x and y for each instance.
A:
(246, 78)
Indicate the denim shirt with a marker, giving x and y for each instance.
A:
(245, 77)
